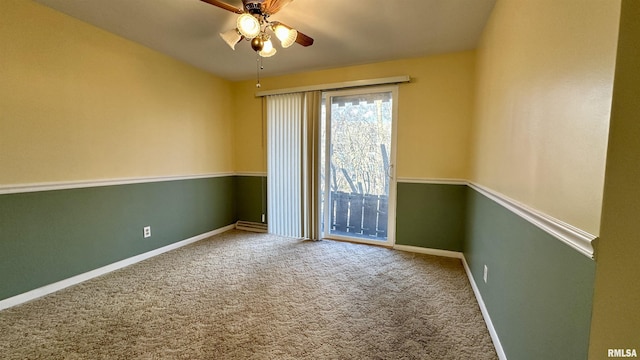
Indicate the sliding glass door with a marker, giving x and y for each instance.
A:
(357, 157)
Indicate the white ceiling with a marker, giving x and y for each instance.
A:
(346, 32)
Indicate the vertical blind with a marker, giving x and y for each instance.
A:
(285, 164)
(293, 126)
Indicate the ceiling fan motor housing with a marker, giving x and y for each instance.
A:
(253, 6)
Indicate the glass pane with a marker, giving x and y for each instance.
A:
(359, 165)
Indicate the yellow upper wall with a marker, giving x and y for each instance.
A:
(544, 87)
(434, 113)
(78, 103)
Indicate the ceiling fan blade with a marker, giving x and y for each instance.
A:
(224, 5)
(304, 40)
(271, 7)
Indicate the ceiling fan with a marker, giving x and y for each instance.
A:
(253, 24)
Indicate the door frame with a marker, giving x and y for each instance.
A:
(391, 210)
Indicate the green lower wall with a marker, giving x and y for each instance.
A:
(251, 198)
(431, 215)
(53, 235)
(539, 291)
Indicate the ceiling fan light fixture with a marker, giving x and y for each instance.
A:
(231, 37)
(286, 36)
(248, 26)
(267, 49)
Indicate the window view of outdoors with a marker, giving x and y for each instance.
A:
(358, 181)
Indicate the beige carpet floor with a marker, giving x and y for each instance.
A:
(242, 295)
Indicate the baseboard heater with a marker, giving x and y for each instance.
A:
(251, 226)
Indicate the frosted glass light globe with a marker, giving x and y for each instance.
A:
(286, 36)
(267, 49)
(248, 26)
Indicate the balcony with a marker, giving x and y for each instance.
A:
(358, 215)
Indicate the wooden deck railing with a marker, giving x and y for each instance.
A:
(359, 214)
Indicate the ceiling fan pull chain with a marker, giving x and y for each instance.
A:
(258, 68)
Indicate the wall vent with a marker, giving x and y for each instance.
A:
(251, 226)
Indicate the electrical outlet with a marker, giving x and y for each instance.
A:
(486, 270)
(146, 231)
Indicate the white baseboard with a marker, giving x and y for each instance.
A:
(485, 312)
(436, 252)
(74, 280)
